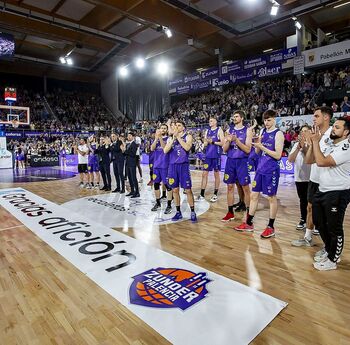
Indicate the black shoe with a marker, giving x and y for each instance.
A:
(103, 188)
(163, 197)
(108, 189)
(237, 204)
(156, 207)
(130, 194)
(122, 191)
(241, 208)
(168, 210)
(135, 196)
(117, 190)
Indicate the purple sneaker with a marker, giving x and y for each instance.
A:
(178, 216)
(194, 217)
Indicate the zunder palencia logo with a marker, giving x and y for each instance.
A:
(168, 288)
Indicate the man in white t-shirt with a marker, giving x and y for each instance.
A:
(333, 197)
(321, 119)
(301, 174)
(83, 156)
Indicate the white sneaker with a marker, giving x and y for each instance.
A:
(200, 198)
(326, 265)
(301, 226)
(214, 198)
(315, 232)
(97, 186)
(303, 242)
(81, 184)
(320, 258)
(320, 252)
(88, 186)
(141, 180)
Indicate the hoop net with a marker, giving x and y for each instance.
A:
(15, 123)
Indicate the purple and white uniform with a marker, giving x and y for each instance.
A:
(213, 152)
(20, 156)
(93, 163)
(236, 168)
(268, 169)
(179, 167)
(161, 163)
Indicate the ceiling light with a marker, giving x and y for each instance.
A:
(267, 50)
(162, 68)
(123, 71)
(140, 63)
(274, 9)
(168, 32)
(62, 60)
(69, 61)
(328, 33)
(343, 4)
(297, 25)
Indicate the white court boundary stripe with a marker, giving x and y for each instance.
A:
(12, 227)
(230, 313)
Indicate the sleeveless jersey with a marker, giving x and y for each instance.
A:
(178, 154)
(212, 150)
(234, 151)
(267, 164)
(161, 160)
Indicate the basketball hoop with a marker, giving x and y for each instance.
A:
(15, 123)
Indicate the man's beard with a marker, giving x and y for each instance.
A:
(334, 136)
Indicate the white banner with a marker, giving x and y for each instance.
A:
(185, 303)
(299, 64)
(327, 54)
(301, 119)
(5, 155)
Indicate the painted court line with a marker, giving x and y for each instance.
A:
(183, 302)
(12, 227)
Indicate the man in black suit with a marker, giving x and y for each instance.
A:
(131, 164)
(118, 159)
(103, 152)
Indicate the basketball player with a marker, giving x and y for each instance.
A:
(321, 119)
(213, 142)
(93, 164)
(301, 174)
(161, 165)
(82, 151)
(238, 143)
(270, 144)
(179, 146)
(331, 200)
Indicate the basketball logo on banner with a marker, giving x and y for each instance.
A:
(168, 288)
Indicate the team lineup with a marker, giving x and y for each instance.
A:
(246, 150)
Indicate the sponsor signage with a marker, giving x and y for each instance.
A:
(71, 160)
(286, 167)
(6, 160)
(268, 71)
(233, 66)
(162, 290)
(210, 73)
(202, 85)
(300, 119)
(13, 135)
(299, 64)
(176, 82)
(39, 161)
(183, 89)
(327, 54)
(255, 62)
(242, 76)
(221, 81)
(192, 77)
(10, 94)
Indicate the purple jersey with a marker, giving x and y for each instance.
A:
(92, 156)
(212, 150)
(267, 164)
(178, 154)
(161, 160)
(234, 151)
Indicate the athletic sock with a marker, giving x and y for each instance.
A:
(308, 234)
(192, 208)
(271, 221)
(169, 203)
(215, 191)
(230, 209)
(202, 192)
(164, 194)
(178, 209)
(158, 202)
(250, 219)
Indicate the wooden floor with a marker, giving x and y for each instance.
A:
(45, 300)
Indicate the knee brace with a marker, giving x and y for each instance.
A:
(156, 186)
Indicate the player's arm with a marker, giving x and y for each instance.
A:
(154, 144)
(162, 142)
(309, 155)
(247, 146)
(320, 159)
(168, 145)
(186, 144)
(278, 147)
(294, 153)
(227, 142)
(221, 138)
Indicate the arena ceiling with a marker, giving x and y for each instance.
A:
(105, 34)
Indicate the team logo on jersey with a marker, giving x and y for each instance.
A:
(254, 184)
(226, 177)
(154, 176)
(205, 166)
(171, 181)
(151, 165)
(345, 147)
(168, 288)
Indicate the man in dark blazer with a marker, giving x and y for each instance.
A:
(103, 152)
(131, 164)
(118, 159)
